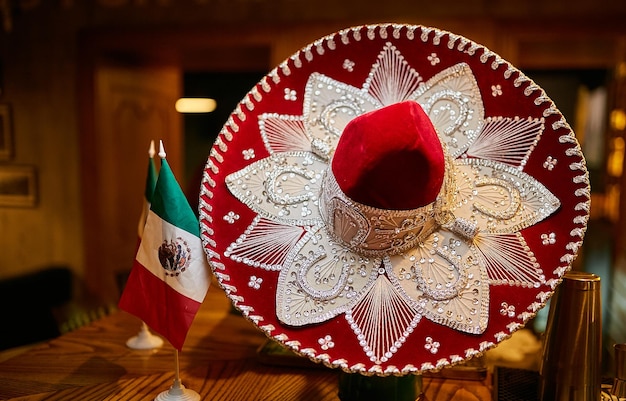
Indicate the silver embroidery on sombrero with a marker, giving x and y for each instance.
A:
(446, 281)
(500, 198)
(283, 133)
(507, 140)
(372, 231)
(444, 275)
(321, 279)
(329, 105)
(451, 99)
(509, 260)
(283, 187)
(265, 244)
(384, 318)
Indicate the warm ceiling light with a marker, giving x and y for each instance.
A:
(618, 120)
(195, 105)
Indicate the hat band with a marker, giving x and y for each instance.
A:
(371, 231)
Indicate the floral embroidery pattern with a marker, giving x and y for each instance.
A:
(290, 94)
(255, 282)
(326, 342)
(548, 239)
(550, 163)
(431, 345)
(507, 310)
(433, 59)
(231, 217)
(496, 90)
(248, 154)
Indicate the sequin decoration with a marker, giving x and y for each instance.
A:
(290, 94)
(550, 163)
(326, 342)
(255, 282)
(248, 154)
(507, 310)
(548, 239)
(433, 59)
(432, 345)
(231, 217)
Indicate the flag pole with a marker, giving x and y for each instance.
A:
(177, 367)
(144, 338)
(177, 392)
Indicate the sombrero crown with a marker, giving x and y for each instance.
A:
(390, 158)
(393, 199)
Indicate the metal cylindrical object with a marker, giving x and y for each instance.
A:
(619, 383)
(571, 363)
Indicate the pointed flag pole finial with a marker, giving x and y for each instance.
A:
(152, 150)
(161, 150)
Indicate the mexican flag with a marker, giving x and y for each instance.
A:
(170, 276)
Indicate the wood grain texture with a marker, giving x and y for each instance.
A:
(219, 361)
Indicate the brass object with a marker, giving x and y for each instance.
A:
(619, 383)
(570, 368)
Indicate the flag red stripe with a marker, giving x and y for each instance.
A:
(165, 310)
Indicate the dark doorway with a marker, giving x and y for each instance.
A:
(201, 129)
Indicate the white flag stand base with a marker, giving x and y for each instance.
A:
(144, 339)
(178, 392)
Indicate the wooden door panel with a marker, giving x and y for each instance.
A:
(132, 106)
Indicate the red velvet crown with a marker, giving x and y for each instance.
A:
(390, 158)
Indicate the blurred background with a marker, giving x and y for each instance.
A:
(85, 85)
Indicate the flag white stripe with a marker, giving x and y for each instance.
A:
(194, 281)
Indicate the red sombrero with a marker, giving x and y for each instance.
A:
(393, 199)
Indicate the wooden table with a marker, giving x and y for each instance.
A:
(219, 361)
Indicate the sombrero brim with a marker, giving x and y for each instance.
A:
(444, 299)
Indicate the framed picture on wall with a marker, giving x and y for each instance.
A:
(18, 186)
(6, 132)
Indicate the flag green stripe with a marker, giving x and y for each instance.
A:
(170, 204)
